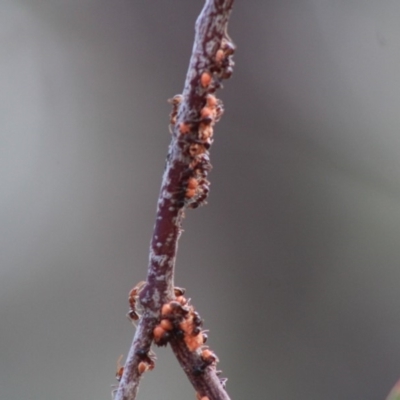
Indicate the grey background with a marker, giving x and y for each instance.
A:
(294, 264)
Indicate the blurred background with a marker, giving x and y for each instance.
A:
(293, 264)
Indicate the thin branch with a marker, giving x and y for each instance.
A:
(184, 185)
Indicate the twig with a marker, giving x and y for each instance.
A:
(184, 185)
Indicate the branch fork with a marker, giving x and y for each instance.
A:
(166, 315)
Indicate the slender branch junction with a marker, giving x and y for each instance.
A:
(166, 315)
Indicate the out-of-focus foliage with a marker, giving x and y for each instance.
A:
(395, 392)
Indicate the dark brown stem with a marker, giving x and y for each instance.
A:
(184, 184)
(206, 383)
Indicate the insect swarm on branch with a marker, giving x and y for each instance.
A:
(162, 313)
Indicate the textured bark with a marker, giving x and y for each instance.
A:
(184, 185)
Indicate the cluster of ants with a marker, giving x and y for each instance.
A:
(196, 136)
(179, 321)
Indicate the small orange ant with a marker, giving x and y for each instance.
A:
(120, 368)
(118, 376)
(175, 101)
(209, 357)
(205, 79)
(133, 296)
(184, 128)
